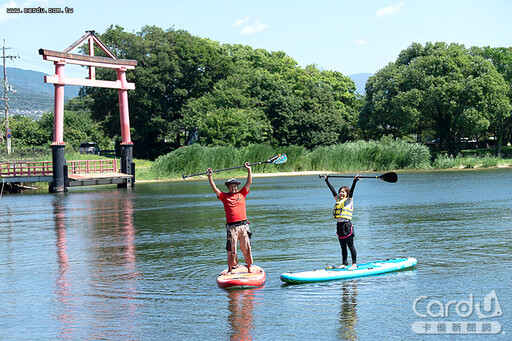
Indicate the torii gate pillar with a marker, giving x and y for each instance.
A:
(58, 145)
(60, 59)
(127, 165)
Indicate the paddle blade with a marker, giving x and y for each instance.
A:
(389, 177)
(278, 159)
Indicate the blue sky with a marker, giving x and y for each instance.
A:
(344, 35)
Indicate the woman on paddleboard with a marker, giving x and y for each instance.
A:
(237, 226)
(343, 215)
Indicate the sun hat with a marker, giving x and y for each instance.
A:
(232, 181)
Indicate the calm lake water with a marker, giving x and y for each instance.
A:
(102, 263)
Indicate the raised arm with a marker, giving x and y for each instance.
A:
(249, 176)
(333, 191)
(356, 179)
(212, 184)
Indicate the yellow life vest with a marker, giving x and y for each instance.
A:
(342, 211)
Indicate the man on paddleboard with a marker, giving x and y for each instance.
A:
(237, 226)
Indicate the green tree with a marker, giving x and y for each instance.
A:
(306, 107)
(26, 132)
(327, 113)
(501, 58)
(232, 127)
(79, 127)
(387, 109)
(436, 87)
(187, 84)
(173, 68)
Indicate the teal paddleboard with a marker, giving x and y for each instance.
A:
(331, 274)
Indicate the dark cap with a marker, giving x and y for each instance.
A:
(232, 181)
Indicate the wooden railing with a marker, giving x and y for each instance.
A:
(45, 168)
(21, 168)
(92, 166)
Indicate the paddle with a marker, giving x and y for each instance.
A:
(276, 160)
(388, 177)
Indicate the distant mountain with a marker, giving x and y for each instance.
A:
(360, 80)
(31, 92)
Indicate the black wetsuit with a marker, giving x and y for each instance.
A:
(343, 226)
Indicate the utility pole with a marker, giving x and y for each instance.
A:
(6, 106)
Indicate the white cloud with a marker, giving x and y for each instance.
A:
(254, 28)
(390, 10)
(361, 42)
(250, 26)
(241, 22)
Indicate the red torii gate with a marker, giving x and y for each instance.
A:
(60, 59)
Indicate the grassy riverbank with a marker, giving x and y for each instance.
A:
(357, 156)
(349, 157)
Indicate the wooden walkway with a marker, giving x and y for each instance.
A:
(80, 172)
(92, 179)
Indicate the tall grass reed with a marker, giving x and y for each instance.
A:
(346, 157)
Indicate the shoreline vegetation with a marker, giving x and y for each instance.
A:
(349, 157)
(241, 174)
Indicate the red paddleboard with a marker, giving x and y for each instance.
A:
(241, 279)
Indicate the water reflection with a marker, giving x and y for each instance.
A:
(95, 235)
(241, 306)
(348, 311)
(63, 285)
(117, 265)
